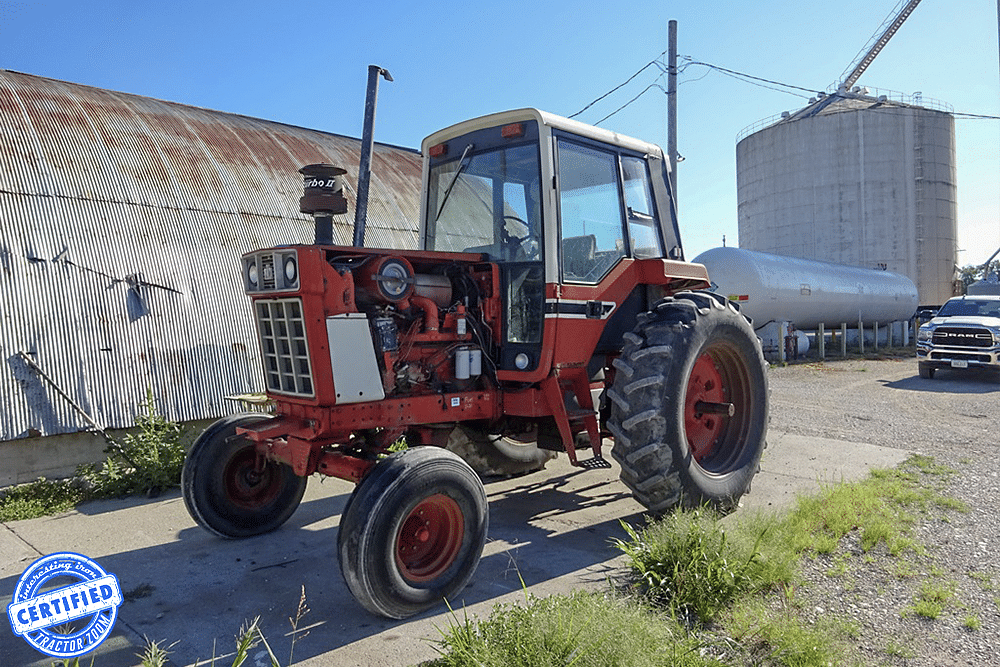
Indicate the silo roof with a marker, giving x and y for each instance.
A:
(124, 218)
(863, 99)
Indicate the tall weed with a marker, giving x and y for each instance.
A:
(581, 629)
(148, 461)
(686, 564)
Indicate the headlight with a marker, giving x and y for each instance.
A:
(252, 276)
(924, 334)
(291, 271)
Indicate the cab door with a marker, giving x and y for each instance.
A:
(607, 222)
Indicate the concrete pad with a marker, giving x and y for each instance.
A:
(550, 530)
(793, 465)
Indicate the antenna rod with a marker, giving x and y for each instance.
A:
(672, 106)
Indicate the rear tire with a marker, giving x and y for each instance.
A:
(497, 456)
(225, 493)
(413, 532)
(693, 352)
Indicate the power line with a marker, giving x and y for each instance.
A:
(641, 70)
(739, 76)
(744, 75)
(652, 85)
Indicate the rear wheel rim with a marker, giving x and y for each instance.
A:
(704, 384)
(247, 487)
(429, 538)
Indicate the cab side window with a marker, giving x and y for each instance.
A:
(593, 238)
(643, 227)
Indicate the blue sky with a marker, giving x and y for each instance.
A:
(306, 64)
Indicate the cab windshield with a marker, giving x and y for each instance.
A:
(487, 202)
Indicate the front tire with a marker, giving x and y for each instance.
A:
(413, 532)
(687, 364)
(926, 371)
(227, 490)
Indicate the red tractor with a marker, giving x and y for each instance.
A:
(549, 308)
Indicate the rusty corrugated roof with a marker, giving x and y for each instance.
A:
(123, 219)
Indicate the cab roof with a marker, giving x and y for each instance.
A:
(544, 119)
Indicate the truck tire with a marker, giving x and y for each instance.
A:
(496, 456)
(693, 349)
(225, 494)
(413, 531)
(926, 371)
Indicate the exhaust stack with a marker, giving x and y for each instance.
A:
(367, 141)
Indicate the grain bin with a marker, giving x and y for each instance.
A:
(868, 181)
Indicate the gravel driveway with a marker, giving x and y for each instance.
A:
(952, 418)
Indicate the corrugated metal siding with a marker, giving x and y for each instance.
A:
(122, 219)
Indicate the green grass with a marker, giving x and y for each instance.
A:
(686, 564)
(971, 622)
(580, 630)
(727, 594)
(147, 461)
(781, 637)
(932, 598)
(984, 580)
(899, 650)
(40, 498)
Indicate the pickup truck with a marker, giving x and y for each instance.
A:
(965, 333)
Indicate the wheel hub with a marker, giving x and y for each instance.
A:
(429, 538)
(248, 486)
(705, 409)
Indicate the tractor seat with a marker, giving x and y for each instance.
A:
(578, 255)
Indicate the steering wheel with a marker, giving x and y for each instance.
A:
(522, 247)
(510, 238)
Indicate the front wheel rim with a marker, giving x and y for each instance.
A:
(429, 538)
(245, 485)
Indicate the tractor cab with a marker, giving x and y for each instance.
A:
(568, 211)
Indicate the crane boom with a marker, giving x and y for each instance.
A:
(858, 67)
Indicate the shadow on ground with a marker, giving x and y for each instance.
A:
(192, 591)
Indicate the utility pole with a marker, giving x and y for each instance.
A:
(672, 105)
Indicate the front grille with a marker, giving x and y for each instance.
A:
(284, 346)
(963, 337)
(960, 356)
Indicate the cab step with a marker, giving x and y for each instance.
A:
(595, 463)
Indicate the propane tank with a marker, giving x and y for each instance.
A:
(772, 288)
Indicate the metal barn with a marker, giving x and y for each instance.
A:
(122, 220)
